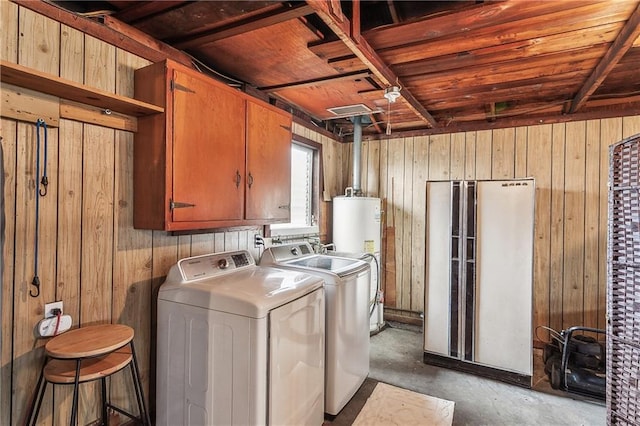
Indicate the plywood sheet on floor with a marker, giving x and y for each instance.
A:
(390, 405)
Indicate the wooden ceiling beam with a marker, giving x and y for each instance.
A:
(355, 20)
(329, 11)
(509, 122)
(393, 11)
(246, 25)
(145, 39)
(618, 49)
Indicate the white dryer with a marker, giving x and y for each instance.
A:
(347, 317)
(239, 344)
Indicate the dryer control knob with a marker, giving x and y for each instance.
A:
(223, 263)
(294, 251)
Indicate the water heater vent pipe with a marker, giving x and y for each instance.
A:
(357, 154)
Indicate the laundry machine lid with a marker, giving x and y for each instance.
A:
(327, 263)
(299, 256)
(246, 290)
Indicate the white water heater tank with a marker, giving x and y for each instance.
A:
(356, 224)
(357, 230)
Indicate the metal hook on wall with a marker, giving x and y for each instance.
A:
(44, 182)
(36, 283)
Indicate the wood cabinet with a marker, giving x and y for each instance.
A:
(216, 158)
(268, 163)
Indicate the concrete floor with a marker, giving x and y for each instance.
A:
(396, 359)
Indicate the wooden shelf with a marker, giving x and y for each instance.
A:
(28, 78)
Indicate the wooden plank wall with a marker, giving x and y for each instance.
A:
(570, 164)
(90, 257)
(105, 271)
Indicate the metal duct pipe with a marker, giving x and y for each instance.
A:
(357, 154)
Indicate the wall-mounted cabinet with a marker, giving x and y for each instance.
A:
(268, 163)
(216, 158)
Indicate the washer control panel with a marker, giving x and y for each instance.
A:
(290, 251)
(210, 265)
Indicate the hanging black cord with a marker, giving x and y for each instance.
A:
(45, 180)
(36, 280)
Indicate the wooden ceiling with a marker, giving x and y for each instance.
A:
(460, 65)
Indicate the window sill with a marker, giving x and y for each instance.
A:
(288, 230)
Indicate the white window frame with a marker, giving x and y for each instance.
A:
(289, 229)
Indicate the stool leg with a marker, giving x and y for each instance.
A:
(135, 373)
(40, 389)
(74, 406)
(105, 416)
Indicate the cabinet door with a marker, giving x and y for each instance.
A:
(208, 150)
(268, 164)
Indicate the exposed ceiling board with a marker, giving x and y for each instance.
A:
(466, 64)
(625, 75)
(318, 98)
(476, 19)
(269, 17)
(261, 59)
(482, 25)
(622, 44)
(330, 49)
(144, 10)
(538, 67)
(197, 16)
(521, 50)
(570, 24)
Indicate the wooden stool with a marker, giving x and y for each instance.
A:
(86, 354)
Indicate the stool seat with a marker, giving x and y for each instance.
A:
(86, 354)
(93, 340)
(62, 371)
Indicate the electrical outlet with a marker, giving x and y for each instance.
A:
(49, 308)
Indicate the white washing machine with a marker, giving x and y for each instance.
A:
(347, 317)
(376, 299)
(239, 344)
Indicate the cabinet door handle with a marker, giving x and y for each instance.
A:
(285, 207)
(179, 205)
(238, 178)
(250, 180)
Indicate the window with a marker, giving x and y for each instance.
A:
(301, 185)
(305, 182)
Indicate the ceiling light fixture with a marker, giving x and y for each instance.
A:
(391, 94)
